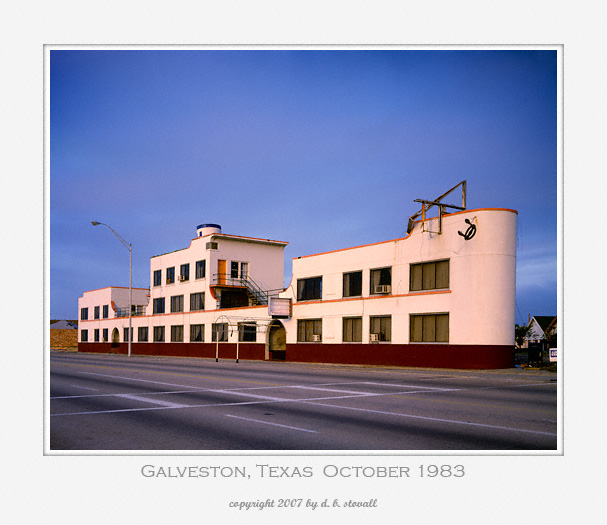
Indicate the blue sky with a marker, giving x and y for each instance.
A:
(324, 149)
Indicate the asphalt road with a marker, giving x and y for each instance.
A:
(112, 402)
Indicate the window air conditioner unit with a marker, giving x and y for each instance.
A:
(316, 338)
(374, 338)
(383, 288)
(181, 277)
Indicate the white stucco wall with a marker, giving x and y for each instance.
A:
(481, 295)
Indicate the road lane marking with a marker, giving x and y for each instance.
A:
(273, 424)
(140, 380)
(427, 418)
(245, 394)
(215, 378)
(315, 401)
(394, 385)
(153, 401)
(307, 387)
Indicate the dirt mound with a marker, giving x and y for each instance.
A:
(64, 339)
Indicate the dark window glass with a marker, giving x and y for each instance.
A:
(429, 276)
(200, 269)
(381, 280)
(196, 301)
(197, 333)
(159, 305)
(142, 334)
(176, 303)
(170, 275)
(184, 272)
(220, 332)
(429, 328)
(159, 334)
(309, 330)
(309, 289)
(380, 328)
(353, 329)
(177, 333)
(353, 284)
(247, 332)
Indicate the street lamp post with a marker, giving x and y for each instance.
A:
(129, 247)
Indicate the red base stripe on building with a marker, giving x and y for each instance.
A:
(412, 355)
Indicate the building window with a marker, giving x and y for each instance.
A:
(220, 332)
(239, 270)
(159, 334)
(96, 314)
(380, 328)
(171, 275)
(105, 335)
(84, 314)
(200, 269)
(142, 334)
(196, 301)
(247, 332)
(126, 334)
(176, 303)
(353, 284)
(184, 272)
(211, 245)
(177, 333)
(84, 336)
(234, 270)
(353, 329)
(96, 335)
(105, 311)
(159, 305)
(197, 333)
(429, 276)
(309, 331)
(429, 328)
(309, 289)
(157, 277)
(381, 281)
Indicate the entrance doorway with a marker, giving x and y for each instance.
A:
(277, 341)
(115, 338)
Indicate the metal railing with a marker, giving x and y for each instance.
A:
(136, 310)
(254, 290)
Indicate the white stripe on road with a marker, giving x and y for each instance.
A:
(426, 418)
(331, 390)
(140, 380)
(273, 424)
(153, 401)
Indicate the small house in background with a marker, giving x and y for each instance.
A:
(64, 325)
(542, 329)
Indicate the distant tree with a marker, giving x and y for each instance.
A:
(520, 332)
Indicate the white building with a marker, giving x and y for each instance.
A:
(443, 296)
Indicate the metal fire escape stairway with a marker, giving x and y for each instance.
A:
(256, 294)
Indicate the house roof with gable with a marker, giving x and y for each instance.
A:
(544, 321)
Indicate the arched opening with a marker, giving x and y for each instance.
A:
(277, 341)
(115, 338)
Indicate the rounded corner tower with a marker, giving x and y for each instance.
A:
(203, 230)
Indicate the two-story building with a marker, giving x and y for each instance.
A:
(442, 296)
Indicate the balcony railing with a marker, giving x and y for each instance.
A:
(136, 310)
(259, 295)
